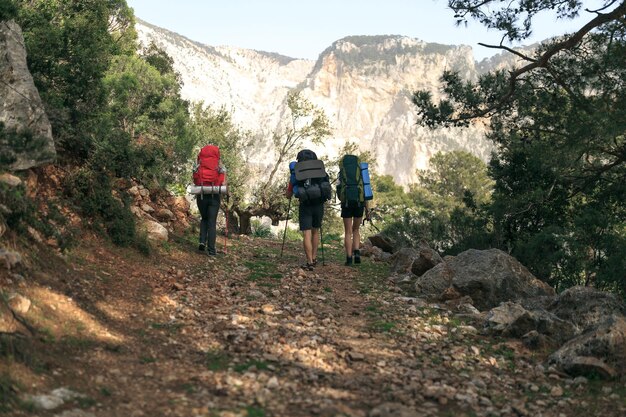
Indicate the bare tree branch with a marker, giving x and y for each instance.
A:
(511, 50)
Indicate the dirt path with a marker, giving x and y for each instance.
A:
(249, 334)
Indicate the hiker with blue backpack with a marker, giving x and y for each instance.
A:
(354, 191)
(309, 183)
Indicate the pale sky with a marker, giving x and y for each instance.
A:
(303, 29)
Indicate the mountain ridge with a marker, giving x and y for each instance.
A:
(363, 83)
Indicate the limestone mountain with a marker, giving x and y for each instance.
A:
(363, 83)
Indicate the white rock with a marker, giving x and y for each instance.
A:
(45, 402)
(19, 304)
(9, 258)
(10, 180)
(156, 231)
(272, 383)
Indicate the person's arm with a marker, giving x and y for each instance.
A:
(221, 170)
(368, 210)
(289, 190)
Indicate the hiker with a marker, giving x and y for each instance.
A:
(210, 175)
(354, 191)
(309, 183)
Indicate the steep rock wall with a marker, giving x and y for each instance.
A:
(363, 83)
(21, 108)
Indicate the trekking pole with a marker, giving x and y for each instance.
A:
(226, 234)
(322, 241)
(285, 233)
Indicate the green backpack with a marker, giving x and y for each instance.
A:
(350, 186)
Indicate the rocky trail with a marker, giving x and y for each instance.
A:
(246, 333)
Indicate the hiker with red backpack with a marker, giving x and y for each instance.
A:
(310, 184)
(209, 178)
(354, 191)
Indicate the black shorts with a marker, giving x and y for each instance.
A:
(352, 210)
(311, 216)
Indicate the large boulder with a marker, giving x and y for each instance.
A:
(156, 231)
(492, 276)
(513, 320)
(374, 252)
(21, 108)
(436, 281)
(426, 259)
(402, 260)
(586, 306)
(382, 242)
(489, 277)
(599, 351)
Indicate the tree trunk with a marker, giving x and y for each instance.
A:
(233, 223)
(245, 225)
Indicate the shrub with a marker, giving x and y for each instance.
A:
(92, 193)
(261, 230)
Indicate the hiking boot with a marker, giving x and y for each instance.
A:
(307, 267)
(314, 262)
(357, 256)
(201, 247)
(348, 261)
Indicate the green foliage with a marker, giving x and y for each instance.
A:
(453, 177)
(91, 191)
(24, 142)
(293, 235)
(261, 230)
(115, 113)
(8, 393)
(70, 46)
(145, 105)
(8, 10)
(389, 195)
(559, 197)
(445, 208)
(513, 18)
(19, 210)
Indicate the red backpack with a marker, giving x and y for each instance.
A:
(207, 172)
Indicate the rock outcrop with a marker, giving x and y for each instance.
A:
(489, 277)
(21, 109)
(602, 349)
(586, 306)
(381, 242)
(159, 213)
(512, 320)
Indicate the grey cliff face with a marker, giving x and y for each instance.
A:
(21, 108)
(363, 83)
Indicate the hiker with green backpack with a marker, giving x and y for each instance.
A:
(310, 184)
(354, 191)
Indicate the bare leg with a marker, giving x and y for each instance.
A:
(315, 240)
(356, 233)
(308, 245)
(347, 239)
